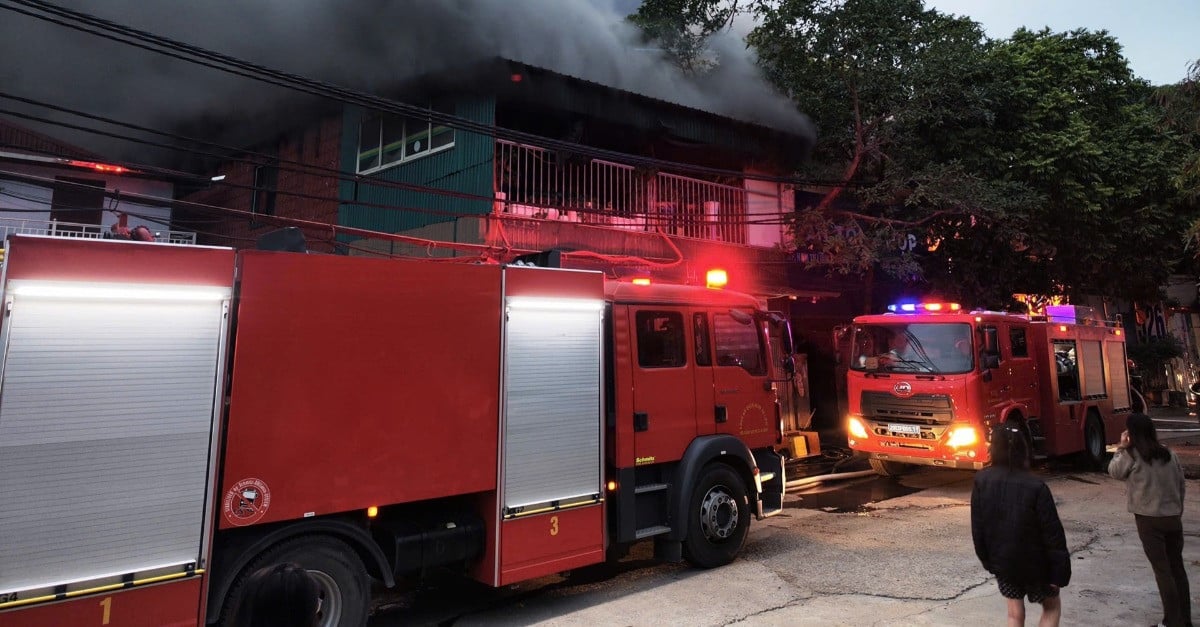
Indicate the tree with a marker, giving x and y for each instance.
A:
(1077, 128)
(683, 27)
(1030, 164)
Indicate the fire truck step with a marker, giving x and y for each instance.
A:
(651, 487)
(651, 531)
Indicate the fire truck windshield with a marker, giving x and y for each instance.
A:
(934, 348)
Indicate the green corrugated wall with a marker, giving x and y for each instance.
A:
(467, 168)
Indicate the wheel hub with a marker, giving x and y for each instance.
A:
(329, 612)
(718, 513)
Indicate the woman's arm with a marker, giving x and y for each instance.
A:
(1121, 464)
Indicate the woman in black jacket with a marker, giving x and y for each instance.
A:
(1018, 536)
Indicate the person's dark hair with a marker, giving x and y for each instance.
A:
(1009, 449)
(282, 595)
(1144, 438)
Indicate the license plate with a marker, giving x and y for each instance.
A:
(904, 429)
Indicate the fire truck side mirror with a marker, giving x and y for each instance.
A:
(990, 360)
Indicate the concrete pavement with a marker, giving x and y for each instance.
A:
(902, 561)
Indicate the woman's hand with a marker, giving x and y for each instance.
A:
(1124, 443)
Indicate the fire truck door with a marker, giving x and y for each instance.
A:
(664, 396)
(743, 403)
(1021, 368)
(998, 390)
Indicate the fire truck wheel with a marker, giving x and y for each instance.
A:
(885, 468)
(344, 585)
(1094, 452)
(719, 519)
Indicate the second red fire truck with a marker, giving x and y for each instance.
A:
(926, 382)
(173, 418)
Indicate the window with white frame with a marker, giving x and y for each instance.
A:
(386, 139)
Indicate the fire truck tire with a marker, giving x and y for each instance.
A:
(885, 468)
(1094, 453)
(719, 518)
(340, 574)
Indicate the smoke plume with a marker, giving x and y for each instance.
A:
(364, 44)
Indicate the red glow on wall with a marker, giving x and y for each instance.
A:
(99, 167)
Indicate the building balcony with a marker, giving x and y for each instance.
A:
(58, 228)
(533, 183)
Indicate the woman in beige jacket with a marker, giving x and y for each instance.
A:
(1155, 487)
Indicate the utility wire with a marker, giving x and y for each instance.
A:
(145, 40)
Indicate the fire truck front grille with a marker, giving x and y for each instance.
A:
(921, 409)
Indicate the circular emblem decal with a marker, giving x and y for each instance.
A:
(247, 502)
(753, 420)
(903, 388)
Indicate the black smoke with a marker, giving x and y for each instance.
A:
(363, 44)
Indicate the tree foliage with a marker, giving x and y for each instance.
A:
(1036, 163)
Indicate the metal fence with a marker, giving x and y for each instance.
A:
(57, 228)
(533, 182)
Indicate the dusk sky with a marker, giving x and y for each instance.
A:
(1159, 37)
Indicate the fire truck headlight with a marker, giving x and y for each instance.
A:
(962, 436)
(856, 428)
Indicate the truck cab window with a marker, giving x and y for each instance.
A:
(918, 347)
(660, 339)
(738, 344)
(703, 349)
(1016, 336)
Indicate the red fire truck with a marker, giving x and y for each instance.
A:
(926, 381)
(175, 417)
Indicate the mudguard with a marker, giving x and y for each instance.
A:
(704, 449)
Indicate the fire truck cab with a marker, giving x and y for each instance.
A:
(928, 380)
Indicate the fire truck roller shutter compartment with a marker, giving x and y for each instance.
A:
(552, 402)
(1120, 375)
(107, 417)
(106, 430)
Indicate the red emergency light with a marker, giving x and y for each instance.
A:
(717, 278)
(924, 307)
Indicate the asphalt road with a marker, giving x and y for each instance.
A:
(868, 551)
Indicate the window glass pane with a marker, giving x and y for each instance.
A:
(393, 139)
(416, 136)
(368, 143)
(660, 339)
(919, 347)
(442, 136)
(738, 344)
(700, 329)
(1017, 337)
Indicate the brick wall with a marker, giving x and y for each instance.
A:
(300, 195)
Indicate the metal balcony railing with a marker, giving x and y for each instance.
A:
(533, 182)
(57, 228)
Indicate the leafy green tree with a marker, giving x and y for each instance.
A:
(682, 28)
(1035, 163)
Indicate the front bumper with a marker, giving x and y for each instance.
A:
(960, 464)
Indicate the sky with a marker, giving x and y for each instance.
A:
(1158, 37)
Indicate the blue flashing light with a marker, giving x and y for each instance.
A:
(925, 307)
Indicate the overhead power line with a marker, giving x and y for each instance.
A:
(145, 40)
(746, 218)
